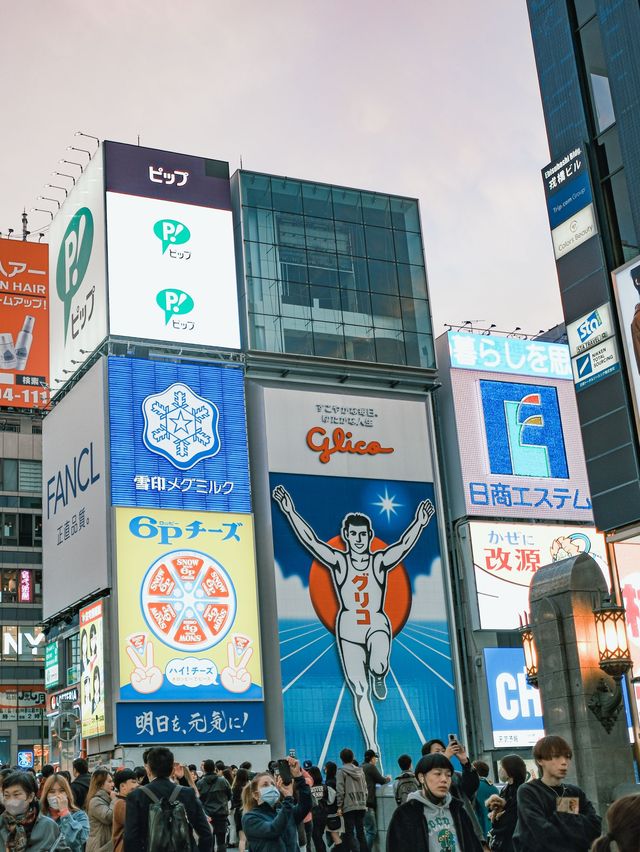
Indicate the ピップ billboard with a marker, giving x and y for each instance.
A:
(24, 324)
(364, 638)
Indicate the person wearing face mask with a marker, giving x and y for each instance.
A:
(99, 804)
(503, 808)
(431, 820)
(271, 814)
(22, 826)
(56, 801)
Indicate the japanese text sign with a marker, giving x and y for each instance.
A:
(506, 556)
(74, 524)
(178, 436)
(520, 447)
(78, 309)
(24, 324)
(193, 722)
(187, 606)
(494, 354)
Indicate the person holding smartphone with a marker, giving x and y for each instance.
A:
(270, 813)
(552, 811)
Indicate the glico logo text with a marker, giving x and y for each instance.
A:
(341, 442)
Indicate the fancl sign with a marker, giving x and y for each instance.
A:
(71, 480)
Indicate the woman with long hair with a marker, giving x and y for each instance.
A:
(334, 822)
(99, 805)
(321, 796)
(182, 776)
(22, 826)
(623, 819)
(503, 809)
(271, 814)
(57, 802)
(239, 783)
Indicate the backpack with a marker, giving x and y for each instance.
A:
(168, 827)
(407, 784)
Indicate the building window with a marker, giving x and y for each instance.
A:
(8, 474)
(72, 657)
(597, 75)
(29, 475)
(616, 196)
(584, 9)
(22, 643)
(20, 585)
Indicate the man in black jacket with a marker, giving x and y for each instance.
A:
(373, 777)
(551, 810)
(159, 764)
(81, 781)
(215, 795)
(432, 814)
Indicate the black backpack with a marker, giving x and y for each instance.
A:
(406, 785)
(168, 827)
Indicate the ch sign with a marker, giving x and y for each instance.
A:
(516, 711)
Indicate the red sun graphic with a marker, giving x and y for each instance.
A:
(397, 602)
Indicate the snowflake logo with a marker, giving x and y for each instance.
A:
(181, 426)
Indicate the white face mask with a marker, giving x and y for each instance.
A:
(53, 802)
(16, 807)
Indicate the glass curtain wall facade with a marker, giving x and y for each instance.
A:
(603, 130)
(333, 272)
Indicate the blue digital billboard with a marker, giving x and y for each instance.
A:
(515, 707)
(178, 436)
(190, 722)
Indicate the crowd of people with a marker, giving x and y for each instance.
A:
(164, 806)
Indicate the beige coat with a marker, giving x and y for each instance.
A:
(100, 812)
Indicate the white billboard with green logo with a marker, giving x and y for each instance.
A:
(172, 272)
(78, 303)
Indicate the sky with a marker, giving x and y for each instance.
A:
(432, 100)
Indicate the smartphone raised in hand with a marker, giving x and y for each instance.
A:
(284, 768)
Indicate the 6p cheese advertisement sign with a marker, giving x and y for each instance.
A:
(187, 613)
(24, 324)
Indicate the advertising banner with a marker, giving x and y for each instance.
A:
(170, 244)
(364, 639)
(78, 308)
(178, 436)
(627, 554)
(507, 555)
(92, 677)
(22, 704)
(170, 723)
(626, 286)
(520, 447)
(24, 324)
(512, 355)
(74, 523)
(187, 607)
(51, 665)
(516, 709)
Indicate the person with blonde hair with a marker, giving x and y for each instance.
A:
(57, 802)
(99, 804)
(271, 814)
(623, 819)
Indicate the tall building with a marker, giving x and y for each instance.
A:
(588, 66)
(24, 376)
(238, 400)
